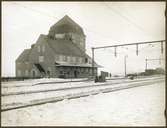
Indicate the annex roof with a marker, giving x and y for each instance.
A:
(24, 56)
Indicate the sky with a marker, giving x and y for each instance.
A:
(104, 23)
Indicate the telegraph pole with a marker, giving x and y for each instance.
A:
(125, 63)
(92, 62)
(146, 65)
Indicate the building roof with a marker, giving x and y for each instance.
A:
(65, 25)
(59, 46)
(59, 64)
(62, 46)
(24, 56)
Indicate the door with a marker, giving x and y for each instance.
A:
(33, 73)
(75, 74)
(48, 73)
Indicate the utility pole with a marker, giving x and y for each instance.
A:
(92, 62)
(129, 44)
(146, 65)
(152, 60)
(125, 63)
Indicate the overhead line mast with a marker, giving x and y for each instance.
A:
(115, 46)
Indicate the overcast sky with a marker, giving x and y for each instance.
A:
(104, 23)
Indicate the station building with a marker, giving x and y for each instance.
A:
(60, 53)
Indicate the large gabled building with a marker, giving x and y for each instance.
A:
(61, 53)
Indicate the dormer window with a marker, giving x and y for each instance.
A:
(59, 36)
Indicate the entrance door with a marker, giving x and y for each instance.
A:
(48, 73)
(75, 74)
(33, 73)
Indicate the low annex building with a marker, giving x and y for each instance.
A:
(61, 53)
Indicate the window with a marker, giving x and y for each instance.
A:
(41, 58)
(81, 44)
(56, 58)
(33, 73)
(77, 59)
(68, 58)
(43, 48)
(81, 69)
(73, 59)
(26, 72)
(80, 60)
(39, 49)
(86, 69)
(61, 58)
(90, 61)
(64, 58)
(61, 72)
(86, 60)
(19, 72)
(49, 71)
(90, 70)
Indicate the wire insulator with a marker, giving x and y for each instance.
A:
(115, 51)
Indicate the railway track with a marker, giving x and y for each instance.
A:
(70, 88)
(41, 83)
(60, 82)
(35, 102)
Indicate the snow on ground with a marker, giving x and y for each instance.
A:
(140, 106)
(31, 82)
(42, 87)
(10, 88)
(28, 98)
(34, 82)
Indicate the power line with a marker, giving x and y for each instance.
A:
(147, 42)
(86, 28)
(51, 16)
(34, 10)
(115, 46)
(142, 49)
(126, 18)
(101, 35)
